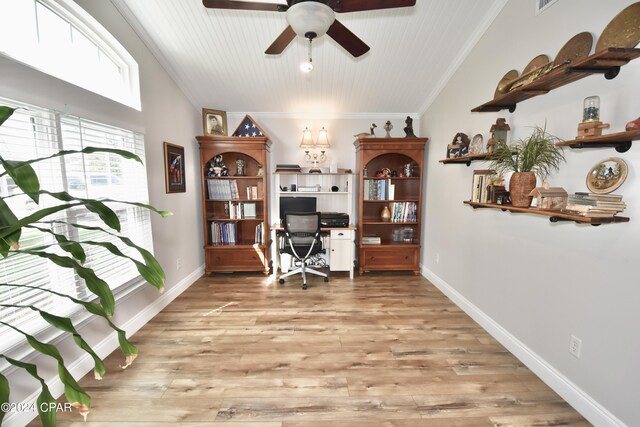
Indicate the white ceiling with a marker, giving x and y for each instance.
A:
(217, 56)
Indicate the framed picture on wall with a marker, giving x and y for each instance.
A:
(174, 168)
(214, 122)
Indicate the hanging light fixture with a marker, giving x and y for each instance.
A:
(307, 66)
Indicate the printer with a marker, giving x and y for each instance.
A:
(334, 219)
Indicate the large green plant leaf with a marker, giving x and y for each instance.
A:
(4, 396)
(23, 176)
(44, 400)
(75, 395)
(9, 235)
(5, 113)
(128, 349)
(96, 285)
(74, 248)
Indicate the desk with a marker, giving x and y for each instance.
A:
(341, 247)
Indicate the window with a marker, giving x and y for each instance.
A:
(35, 132)
(59, 38)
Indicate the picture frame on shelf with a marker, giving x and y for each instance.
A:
(214, 122)
(174, 168)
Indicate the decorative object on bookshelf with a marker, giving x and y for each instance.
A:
(408, 129)
(482, 180)
(623, 31)
(240, 165)
(174, 168)
(505, 83)
(499, 132)
(535, 155)
(387, 127)
(214, 122)
(606, 176)
(385, 214)
(260, 170)
(591, 109)
(477, 145)
(547, 197)
(248, 128)
(459, 146)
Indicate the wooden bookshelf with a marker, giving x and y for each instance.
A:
(554, 216)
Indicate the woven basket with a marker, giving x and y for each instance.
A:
(520, 185)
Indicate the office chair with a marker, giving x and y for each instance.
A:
(302, 240)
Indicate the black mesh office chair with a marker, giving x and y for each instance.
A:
(302, 240)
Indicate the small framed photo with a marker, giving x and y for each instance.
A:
(214, 122)
(174, 168)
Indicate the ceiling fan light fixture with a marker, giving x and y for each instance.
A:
(310, 16)
(306, 66)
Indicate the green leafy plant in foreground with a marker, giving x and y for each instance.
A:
(24, 176)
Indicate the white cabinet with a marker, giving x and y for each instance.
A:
(341, 250)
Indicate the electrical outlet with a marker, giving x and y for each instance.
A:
(178, 263)
(575, 346)
(437, 258)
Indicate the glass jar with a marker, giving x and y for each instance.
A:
(591, 109)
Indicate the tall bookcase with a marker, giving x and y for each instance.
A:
(235, 208)
(389, 243)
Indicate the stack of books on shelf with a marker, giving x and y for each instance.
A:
(258, 237)
(482, 178)
(593, 205)
(254, 191)
(223, 233)
(240, 210)
(371, 240)
(222, 189)
(404, 212)
(379, 189)
(288, 168)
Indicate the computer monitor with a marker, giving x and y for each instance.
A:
(297, 204)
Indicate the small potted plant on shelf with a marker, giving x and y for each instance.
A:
(534, 156)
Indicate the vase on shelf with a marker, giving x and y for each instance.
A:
(520, 185)
(385, 215)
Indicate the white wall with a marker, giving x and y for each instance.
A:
(166, 115)
(531, 282)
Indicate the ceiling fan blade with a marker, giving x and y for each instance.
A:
(244, 5)
(360, 5)
(283, 40)
(345, 38)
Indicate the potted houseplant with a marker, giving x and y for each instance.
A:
(71, 254)
(534, 156)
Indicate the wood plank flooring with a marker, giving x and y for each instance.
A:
(383, 349)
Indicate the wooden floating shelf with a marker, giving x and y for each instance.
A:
(621, 141)
(466, 159)
(607, 62)
(554, 216)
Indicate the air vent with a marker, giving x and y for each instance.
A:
(542, 5)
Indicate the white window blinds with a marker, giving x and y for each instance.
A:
(34, 132)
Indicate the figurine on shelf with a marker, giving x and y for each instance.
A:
(387, 127)
(373, 126)
(216, 166)
(367, 135)
(408, 130)
(459, 146)
(260, 170)
(498, 133)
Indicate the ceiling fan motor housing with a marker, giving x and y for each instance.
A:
(310, 17)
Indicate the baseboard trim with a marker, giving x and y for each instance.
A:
(84, 364)
(589, 408)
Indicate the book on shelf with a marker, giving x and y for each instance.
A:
(240, 210)
(371, 240)
(378, 189)
(254, 191)
(482, 179)
(404, 211)
(594, 205)
(288, 168)
(223, 233)
(258, 238)
(220, 189)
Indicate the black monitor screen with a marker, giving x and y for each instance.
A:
(296, 204)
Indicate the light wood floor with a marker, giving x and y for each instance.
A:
(381, 350)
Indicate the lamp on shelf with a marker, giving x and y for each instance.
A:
(307, 144)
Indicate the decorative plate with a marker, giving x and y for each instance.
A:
(575, 50)
(607, 175)
(476, 145)
(505, 82)
(623, 30)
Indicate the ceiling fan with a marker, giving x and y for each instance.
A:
(314, 18)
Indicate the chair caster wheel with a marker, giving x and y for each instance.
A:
(304, 286)
(281, 281)
(326, 279)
